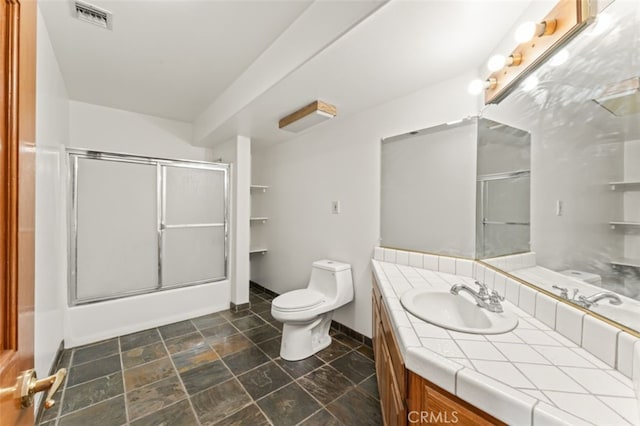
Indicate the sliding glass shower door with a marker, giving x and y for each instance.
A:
(142, 224)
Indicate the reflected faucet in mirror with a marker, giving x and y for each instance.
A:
(588, 301)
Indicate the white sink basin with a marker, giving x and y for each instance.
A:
(455, 312)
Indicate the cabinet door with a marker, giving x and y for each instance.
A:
(431, 406)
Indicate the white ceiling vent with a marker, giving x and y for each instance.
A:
(92, 14)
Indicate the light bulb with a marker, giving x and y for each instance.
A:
(529, 84)
(525, 32)
(559, 58)
(496, 62)
(476, 87)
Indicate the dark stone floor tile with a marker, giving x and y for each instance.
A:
(95, 351)
(271, 347)
(53, 412)
(268, 296)
(179, 414)
(355, 407)
(185, 343)
(107, 413)
(148, 373)
(366, 351)
(92, 370)
(347, 340)
(264, 379)
(250, 321)
(266, 315)
(289, 405)
(231, 315)
(231, 344)
(333, 351)
(141, 338)
(325, 384)
(218, 402)
(207, 321)
(143, 354)
(250, 415)
(151, 398)
(245, 360)
(49, 423)
(65, 359)
(321, 418)
(261, 307)
(278, 325)
(300, 368)
(262, 333)
(187, 360)
(176, 329)
(355, 366)
(254, 298)
(218, 332)
(370, 386)
(89, 393)
(205, 376)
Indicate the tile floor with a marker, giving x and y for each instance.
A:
(222, 368)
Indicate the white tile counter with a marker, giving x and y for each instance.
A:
(532, 375)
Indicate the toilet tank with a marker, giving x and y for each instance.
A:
(333, 279)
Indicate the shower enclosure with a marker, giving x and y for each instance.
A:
(141, 225)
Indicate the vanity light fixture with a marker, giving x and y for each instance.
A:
(478, 86)
(310, 115)
(529, 30)
(539, 42)
(497, 62)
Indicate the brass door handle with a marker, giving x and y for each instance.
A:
(28, 385)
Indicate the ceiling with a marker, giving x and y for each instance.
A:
(236, 67)
(164, 58)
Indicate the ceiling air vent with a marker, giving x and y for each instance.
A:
(93, 15)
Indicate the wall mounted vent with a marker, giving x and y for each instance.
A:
(92, 14)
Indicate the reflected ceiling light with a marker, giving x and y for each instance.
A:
(478, 86)
(529, 83)
(602, 24)
(307, 116)
(559, 58)
(529, 30)
(496, 62)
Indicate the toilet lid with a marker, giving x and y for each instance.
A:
(298, 300)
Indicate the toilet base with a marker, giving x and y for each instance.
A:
(301, 340)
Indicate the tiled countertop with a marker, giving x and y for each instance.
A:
(530, 376)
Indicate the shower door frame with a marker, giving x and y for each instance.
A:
(161, 164)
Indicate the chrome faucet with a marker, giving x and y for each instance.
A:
(587, 302)
(481, 297)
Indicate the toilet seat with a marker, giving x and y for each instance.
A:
(298, 300)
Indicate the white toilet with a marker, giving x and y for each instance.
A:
(307, 313)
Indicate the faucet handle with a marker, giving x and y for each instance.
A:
(495, 297)
(564, 292)
(484, 290)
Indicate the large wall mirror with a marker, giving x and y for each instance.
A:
(564, 214)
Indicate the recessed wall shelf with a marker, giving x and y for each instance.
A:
(624, 224)
(625, 261)
(625, 186)
(259, 219)
(261, 188)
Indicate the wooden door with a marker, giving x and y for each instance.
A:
(17, 201)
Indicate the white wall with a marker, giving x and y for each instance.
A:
(108, 129)
(237, 152)
(340, 160)
(52, 132)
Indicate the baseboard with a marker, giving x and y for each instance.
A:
(335, 325)
(238, 308)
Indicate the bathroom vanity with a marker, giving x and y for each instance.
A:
(405, 396)
(558, 366)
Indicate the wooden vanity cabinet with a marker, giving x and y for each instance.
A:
(405, 397)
